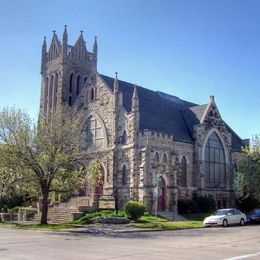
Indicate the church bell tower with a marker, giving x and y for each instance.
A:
(65, 69)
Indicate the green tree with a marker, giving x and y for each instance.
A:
(94, 172)
(247, 178)
(49, 153)
(8, 182)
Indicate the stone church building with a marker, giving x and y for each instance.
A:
(154, 147)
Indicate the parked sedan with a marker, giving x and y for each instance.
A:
(254, 216)
(225, 217)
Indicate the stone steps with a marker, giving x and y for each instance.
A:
(63, 211)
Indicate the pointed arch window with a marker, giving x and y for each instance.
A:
(78, 84)
(46, 94)
(70, 101)
(92, 94)
(94, 133)
(182, 178)
(124, 175)
(85, 79)
(215, 163)
(51, 91)
(55, 91)
(71, 82)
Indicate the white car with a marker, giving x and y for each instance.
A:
(225, 217)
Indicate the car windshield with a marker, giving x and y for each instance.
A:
(254, 212)
(220, 213)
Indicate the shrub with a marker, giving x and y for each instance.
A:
(15, 209)
(205, 204)
(186, 206)
(5, 209)
(134, 210)
(11, 201)
(200, 204)
(247, 204)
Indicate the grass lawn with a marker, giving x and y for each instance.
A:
(149, 221)
(39, 226)
(145, 222)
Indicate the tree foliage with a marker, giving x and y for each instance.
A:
(9, 189)
(94, 172)
(49, 153)
(247, 178)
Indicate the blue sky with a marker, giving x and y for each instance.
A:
(188, 48)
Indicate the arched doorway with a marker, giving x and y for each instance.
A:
(161, 200)
(100, 186)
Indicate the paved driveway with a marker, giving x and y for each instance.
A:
(210, 243)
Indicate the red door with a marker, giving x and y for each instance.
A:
(161, 195)
(99, 187)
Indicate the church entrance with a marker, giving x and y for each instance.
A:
(161, 197)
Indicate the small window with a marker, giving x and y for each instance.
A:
(124, 137)
(235, 168)
(157, 158)
(164, 158)
(70, 101)
(124, 175)
(92, 94)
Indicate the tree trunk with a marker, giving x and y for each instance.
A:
(45, 195)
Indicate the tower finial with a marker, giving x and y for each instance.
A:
(44, 45)
(81, 32)
(54, 32)
(65, 35)
(135, 100)
(116, 83)
(212, 98)
(95, 46)
(44, 55)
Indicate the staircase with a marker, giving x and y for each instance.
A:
(63, 211)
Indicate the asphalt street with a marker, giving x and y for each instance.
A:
(207, 243)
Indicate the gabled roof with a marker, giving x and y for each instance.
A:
(163, 112)
(158, 111)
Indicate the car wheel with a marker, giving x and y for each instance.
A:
(225, 223)
(242, 222)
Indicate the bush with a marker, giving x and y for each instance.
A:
(205, 204)
(247, 204)
(200, 204)
(134, 210)
(11, 201)
(15, 209)
(5, 209)
(186, 206)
